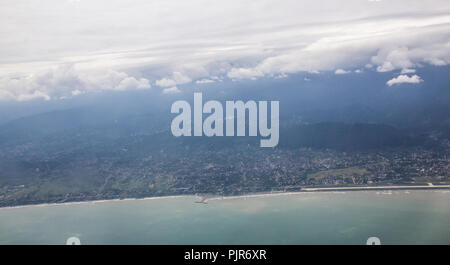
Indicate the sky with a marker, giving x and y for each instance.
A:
(54, 49)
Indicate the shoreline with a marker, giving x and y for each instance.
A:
(94, 201)
(333, 189)
(205, 199)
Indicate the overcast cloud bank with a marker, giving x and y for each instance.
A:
(55, 49)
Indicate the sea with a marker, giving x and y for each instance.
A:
(351, 217)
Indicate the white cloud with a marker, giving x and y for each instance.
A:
(171, 90)
(436, 61)
(133, 83)
(204, 81)
(66, 81)
(176, 79)
(165, 82)
(385, 67)
(281, 76)
(244, 73)
(34, 95)
(408, 71)
(341, 72)
(77, 92)
(415, 79)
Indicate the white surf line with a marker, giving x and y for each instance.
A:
(380, 188)
(330, 189)
(259, 195)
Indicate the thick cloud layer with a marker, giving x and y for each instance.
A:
(55, 49)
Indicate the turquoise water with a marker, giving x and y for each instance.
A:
(397, 217)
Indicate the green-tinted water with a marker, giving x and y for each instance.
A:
(398, 217)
